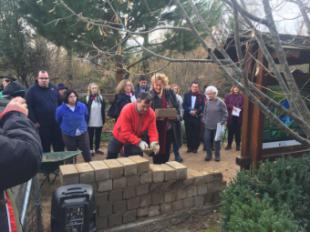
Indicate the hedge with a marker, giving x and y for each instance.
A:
(275, 197)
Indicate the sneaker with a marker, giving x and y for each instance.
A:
(188, 151)
(179, 159)
(99, 152)
(194, 151)
(217, 159)
(207, 158)
(228, 147)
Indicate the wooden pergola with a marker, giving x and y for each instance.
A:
(253, 148)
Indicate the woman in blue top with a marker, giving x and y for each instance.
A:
(72, 117)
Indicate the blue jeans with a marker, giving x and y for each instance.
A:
(209, 141)
(176, 151)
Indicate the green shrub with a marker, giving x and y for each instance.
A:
(275, 197)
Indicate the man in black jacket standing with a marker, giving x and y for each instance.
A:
(20, 156)
(193, 105)
(42, 101)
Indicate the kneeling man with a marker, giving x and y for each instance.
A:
(137, 121)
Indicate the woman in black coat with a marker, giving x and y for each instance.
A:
(124, 95)
(169, 130)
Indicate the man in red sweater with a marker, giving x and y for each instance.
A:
(136, 120)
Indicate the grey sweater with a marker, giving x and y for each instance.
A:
(215, 111)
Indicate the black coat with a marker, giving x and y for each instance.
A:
(20, 153)
(89, 101)
(121, 100)
(42, 104)
(172, 100)
(187, 103)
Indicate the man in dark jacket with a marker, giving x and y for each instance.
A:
(142, 86)
(193, 105)
(42, 100)
(20, 156)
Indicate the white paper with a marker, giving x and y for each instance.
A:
(220, 131)
(236, 111)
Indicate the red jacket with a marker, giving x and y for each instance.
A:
(130, 125)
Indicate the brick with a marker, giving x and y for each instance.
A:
(119, 183)
(130, 167)
(214, 176)
(191, 191)
(155, 187)
(202, 189)
(165, 208)
(143, 164)
(102, 171)
(133, 203)
(130, 216)
(145, 200)
(180, 169)
(170, 173)
(86, 172)
(115, 220)
(191, 177)
(199, 201)
(167, 185)
(68, 174)
(154, 211)
(157, 173)
(170, 196)
(104, 209)
(129, 192)
(101, 222)
(119, 207)
(101, 197)
(146, 178)
(133, 181)
(178, 205)
(105, 185)
(116, 195)
(216, 186)
(189, 202)
(142, 189)
(181, 194)
(142, 212)
(116, 168)
(157, 198)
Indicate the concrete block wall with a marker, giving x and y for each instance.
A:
(132, 189)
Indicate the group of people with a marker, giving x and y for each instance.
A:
(135, 128)
(64, 121)
(48, 116)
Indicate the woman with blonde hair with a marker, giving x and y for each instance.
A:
(124, 95)
(96, 108)
(169, 130)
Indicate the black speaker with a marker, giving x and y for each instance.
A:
(73, 209)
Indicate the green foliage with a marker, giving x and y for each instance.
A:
(276, 197)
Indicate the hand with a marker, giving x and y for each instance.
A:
(143, 145)
(193, 112)
(16, 104)
(155, 147)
